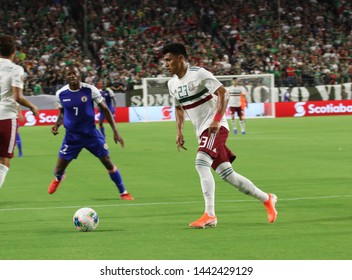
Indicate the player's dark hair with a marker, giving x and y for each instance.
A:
(7, 45)
(176, 49)
(73, 65)
(234, 79)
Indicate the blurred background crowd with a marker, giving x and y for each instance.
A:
(303, 43)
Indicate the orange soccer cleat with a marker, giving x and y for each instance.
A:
(54, 185)
(204, 221)
(126, 196)
(270, 207)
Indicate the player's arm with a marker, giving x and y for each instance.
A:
(20, 99)
(180, 119)
(245, 97)
(108, 116)
(60, 117)
(113, 100)
(20, 115)
(221, 107)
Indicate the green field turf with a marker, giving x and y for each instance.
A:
(305, 161)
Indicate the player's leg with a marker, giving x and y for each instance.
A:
(238, 111)
(242, 121)
(8, 130)
(4, 168)
(203, 167)
(204, 160)
(233, 120)
(116, 177)
(222, 166)
(19, 144)
(101, 124)
(247, 187)
(61, 165)
(97, 146)
(59, 173)
(70, 149)
(243, 184)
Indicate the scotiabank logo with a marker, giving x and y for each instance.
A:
(47, 119)
(43, 118)
(300, 111)
(30, 119)
(166, 111)
(313, 108)
(329, 108)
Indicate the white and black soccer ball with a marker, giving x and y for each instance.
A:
(86, 219)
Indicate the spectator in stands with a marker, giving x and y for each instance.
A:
(118, 86)
(37, 89)
(291, 75)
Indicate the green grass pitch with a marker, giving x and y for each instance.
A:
(305, 161)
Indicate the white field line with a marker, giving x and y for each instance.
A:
(170, 203)
(246, 138)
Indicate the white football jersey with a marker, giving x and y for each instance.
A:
(235, 95)
(11, 75)
(195, 93)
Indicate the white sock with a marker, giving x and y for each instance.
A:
(243, 126)
(243, 184)
(3, 171)
(234, 125)
(203, 166)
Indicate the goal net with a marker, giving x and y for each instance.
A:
(259, 88)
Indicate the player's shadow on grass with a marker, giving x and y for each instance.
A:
(114, 199)
(74, 231)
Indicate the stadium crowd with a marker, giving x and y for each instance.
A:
(303, 43)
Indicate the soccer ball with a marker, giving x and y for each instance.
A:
(85, 219)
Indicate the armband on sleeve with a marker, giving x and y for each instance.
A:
(217, 117)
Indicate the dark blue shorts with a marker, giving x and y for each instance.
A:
(73, 143)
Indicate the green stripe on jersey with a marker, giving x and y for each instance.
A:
(189, 98)
(193, 68)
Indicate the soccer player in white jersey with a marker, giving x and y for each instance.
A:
(76, 103)
(11, 94)
(204, 99)
(237, 103)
